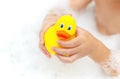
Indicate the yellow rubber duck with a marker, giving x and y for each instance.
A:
(64, 29)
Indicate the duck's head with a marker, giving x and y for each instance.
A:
(65, 27)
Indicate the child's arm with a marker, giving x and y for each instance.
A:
(86, 44)
(52, 17)
(109, 61)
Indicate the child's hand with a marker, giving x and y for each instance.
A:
(83, 45)
(49, 21)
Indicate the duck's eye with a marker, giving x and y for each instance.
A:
(62, 25)
(69, 28)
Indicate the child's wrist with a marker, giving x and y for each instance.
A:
(100, 54)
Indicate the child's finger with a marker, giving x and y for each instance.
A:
(69, 59)
(65, 52)
(75, 41)
(45, 52)
(52, 14)
(71, 43)
(54, 18)
(50, 18)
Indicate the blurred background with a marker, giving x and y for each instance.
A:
(16, 14)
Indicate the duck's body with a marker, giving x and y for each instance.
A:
(51, 39)
(64, 29)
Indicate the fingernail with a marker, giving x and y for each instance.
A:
(59, 41)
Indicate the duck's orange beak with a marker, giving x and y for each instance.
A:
(62, 35)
